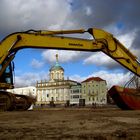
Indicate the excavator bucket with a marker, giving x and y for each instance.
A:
(125, 98)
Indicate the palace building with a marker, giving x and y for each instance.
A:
(57, 89)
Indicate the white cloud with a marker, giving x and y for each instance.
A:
(29, 79)
(77, 78)
(36, 64)
(111, 78)
(114, 78)
(64, 56)
(98, 59)
(101, 60)
(127, 39)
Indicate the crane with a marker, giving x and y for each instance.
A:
(102, 41)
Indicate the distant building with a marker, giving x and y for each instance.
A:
(94, 90)
(29, 91)
(75, 94)
(57, 89)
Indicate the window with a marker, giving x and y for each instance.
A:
(89, 91)
(75, 96)
(75, 90)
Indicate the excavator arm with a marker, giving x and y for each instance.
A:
(102, 41)
(117, 51)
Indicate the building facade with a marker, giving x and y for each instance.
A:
(75, 94)
(29, 91)
(94, 91)
(57, 89)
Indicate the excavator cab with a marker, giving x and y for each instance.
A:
(6, 80)
(10, 101)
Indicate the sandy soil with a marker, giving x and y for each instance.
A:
(70, 124)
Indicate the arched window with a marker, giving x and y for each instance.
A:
(57, 75)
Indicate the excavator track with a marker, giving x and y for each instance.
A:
(10, 101)
(6, 101)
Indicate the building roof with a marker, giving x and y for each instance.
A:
(93, 79)
(56, 66)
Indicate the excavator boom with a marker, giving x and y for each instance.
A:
(102, 41)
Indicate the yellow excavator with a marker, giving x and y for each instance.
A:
(9, 46)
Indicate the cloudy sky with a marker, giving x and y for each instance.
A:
(121, 18)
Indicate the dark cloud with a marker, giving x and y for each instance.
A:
(101, 14)
(110, 15)
(136, 42)
(19, 15)
(105, 13)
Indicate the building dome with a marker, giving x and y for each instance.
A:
(56, 71)
(56, 67)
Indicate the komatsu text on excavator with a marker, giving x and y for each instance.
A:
(102, 41)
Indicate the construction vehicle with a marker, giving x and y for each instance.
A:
(9, 46)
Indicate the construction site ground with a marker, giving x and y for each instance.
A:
(70, 124)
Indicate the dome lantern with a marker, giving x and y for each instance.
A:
(56, 71)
